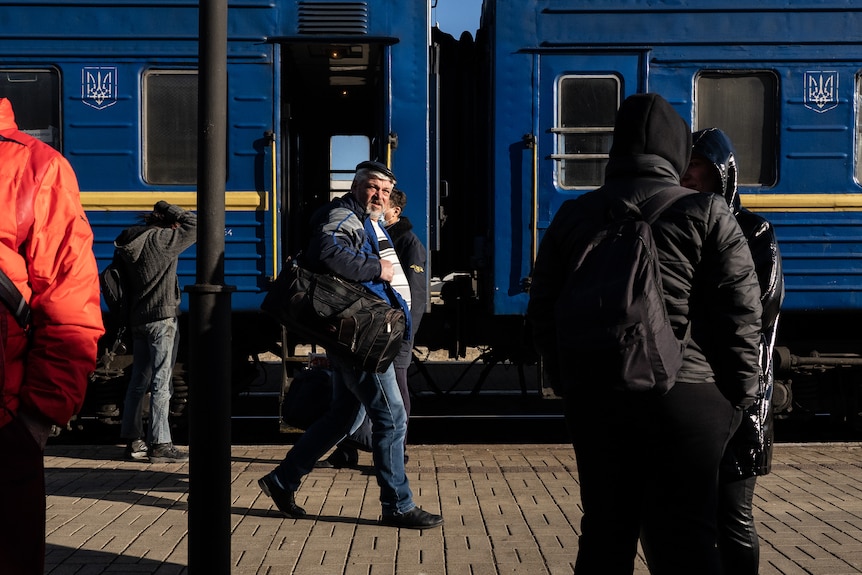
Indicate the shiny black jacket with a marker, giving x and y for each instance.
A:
(707, 270)
(750, 449)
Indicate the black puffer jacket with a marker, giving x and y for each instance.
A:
(750, 449)
(707, 269)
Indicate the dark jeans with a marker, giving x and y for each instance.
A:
(378, 394)
(737, 536)
(648, 466)
(22, 502)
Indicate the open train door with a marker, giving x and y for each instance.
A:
(333, 116)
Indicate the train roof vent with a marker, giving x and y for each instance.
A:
(333, 18)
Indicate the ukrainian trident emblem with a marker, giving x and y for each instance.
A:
(821, 90)
(99, 86)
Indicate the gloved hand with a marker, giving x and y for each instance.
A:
(168, 212)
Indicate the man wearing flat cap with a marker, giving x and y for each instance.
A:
(347, 240)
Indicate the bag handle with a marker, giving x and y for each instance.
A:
(16, 303)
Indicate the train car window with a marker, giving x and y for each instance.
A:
(858, 110)
(35, 97)
(586, 110)
(744, 105)
(170, 138)
(344, 153)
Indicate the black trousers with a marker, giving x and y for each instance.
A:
(648, 467)
(737, 535)
(22, 502)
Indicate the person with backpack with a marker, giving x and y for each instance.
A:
(46, 250)
(150, 255)
(649, 418)
(713, 169)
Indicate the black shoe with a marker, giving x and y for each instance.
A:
(283, 498)
(344, 457)
(413, 519)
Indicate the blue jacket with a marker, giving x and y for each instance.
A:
(343, 242)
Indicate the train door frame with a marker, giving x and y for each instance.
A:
(305, 166)
(306, 134)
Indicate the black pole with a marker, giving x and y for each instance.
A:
(209, 314)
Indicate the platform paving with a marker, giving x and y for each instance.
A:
(509, 509)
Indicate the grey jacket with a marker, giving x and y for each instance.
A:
(151, 254)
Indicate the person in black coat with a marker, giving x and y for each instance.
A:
(413, 258)
(713, 169)
(648, 463)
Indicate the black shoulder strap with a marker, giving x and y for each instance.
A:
(662, 200)
(13, 300)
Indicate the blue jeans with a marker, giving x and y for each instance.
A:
(154, 354)
(352, 390)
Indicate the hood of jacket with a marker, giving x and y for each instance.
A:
(715, 146)
(132, 241)
(650, 138)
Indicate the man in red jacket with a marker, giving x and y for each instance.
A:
(46, 249)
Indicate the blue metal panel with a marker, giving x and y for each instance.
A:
(678, 40)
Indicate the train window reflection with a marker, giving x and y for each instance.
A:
(743, 105)
(170, 142)
(35, 97)
(586, 110)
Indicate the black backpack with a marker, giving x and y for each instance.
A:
(611, 316)
(115, 292)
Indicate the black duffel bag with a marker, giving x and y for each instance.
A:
(342, 316)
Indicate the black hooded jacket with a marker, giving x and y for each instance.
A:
(707, 270)
(750, 449)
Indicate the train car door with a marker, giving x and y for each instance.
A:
(334, 115)
(577, 97)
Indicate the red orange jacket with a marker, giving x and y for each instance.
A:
(46, 248)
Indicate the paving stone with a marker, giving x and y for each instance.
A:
(507, 508)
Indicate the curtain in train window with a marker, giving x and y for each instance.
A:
(170, 137)
(586, 110)
(743, 105)
(35, 97)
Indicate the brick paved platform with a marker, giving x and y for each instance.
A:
(508, 509)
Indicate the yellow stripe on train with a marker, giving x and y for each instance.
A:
(802, 202)
(144, 201)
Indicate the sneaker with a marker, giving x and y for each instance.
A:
(136, 450)
(167, 453)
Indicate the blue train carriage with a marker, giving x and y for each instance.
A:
(780, 77)
(314, 87)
